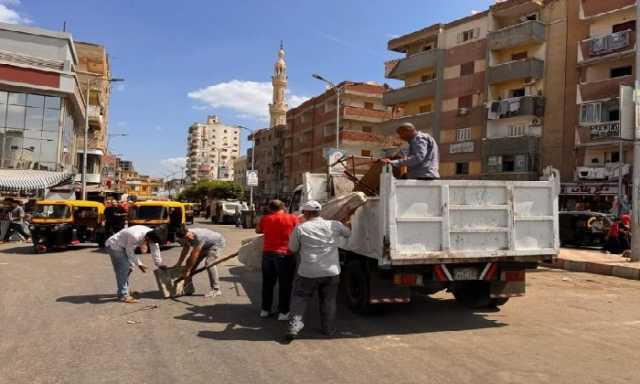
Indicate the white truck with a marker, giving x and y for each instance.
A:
(474, 238)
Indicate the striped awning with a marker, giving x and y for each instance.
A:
(16, 180)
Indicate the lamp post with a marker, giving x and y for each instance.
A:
(253, 161)
(86, 133)
(635, 198)
(337, 91)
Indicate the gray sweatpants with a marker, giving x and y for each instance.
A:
(209, 255)
(303, 290)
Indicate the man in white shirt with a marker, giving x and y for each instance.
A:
(122, 249)
(316, 241)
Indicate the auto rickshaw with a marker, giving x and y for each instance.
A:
(189, 212)
(56, 224)
(154, 213)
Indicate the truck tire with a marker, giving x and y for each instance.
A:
(498, 302)
(473, 294)
(356, 285)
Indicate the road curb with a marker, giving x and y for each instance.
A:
(620, 271)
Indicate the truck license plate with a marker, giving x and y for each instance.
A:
(465, 274)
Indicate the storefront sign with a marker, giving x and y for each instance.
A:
(589, 189)
(252, 178)
(605, 130)
(464, 147)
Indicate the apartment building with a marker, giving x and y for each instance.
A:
(41, 105)
(443, 93)
(240, 171)
(94, 73)
(605, 66)
(212, 147)
(311, 129)
(269, 152)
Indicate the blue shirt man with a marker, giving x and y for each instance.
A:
(423, 158)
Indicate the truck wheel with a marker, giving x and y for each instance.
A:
(498, 302)
(472, 294)
(356, 284)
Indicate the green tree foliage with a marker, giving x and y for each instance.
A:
(213, 189)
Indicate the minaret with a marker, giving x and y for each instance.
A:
(278, 109)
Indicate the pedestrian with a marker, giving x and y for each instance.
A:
(278, 263)
(109, 217)
(316, 241)
(204, 244)
(122, 249)
(16, 221)
(423, 157)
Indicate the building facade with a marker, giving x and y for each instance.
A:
(94, 74)
(311, 129)
(269, 152)
(41, 104)
(240, 171)
(212, 148)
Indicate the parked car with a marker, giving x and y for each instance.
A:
(584, 228)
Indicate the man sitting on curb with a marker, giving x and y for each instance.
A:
(316, 241)
(206, 245)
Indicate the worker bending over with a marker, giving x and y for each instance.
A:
(316, 241)
(206, 245)
(423, 159)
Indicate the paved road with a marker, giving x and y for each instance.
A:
(59, 324)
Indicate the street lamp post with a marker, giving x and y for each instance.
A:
(337, 91)
(635, 198)
(86, 134)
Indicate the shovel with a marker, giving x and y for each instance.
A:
(171, 284)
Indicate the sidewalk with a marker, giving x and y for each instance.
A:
(596, 261)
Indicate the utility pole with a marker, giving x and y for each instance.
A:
(635, 199)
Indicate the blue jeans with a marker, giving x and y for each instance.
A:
(122, 268)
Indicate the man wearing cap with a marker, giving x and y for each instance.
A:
(316, 241)
(423, 158)
(122, 246)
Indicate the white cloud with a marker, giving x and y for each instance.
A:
(120, 87)
(173, 165)
(247, 98)
(475, 12)
(11, 16)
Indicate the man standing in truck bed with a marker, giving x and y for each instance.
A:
(423, 158)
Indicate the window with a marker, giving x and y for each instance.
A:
(621, 71)
(462, 168)
(627, 26)
(465, 101)
(366, 153)
(368, 105)
(532, 17)
(427, 77)
(614, 115)
(590, 112)
(329, 130)
(425, 108)
(517, 130)
(615, 157)
(519, 56)
(427, 47)
(367, 129)
(508, 164)
(463, 134)
(467, 68)
(520, 163)
(520, 92)
(469, 34)
(494, 164)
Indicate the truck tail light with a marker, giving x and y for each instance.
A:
(513, 275)
(407, 279)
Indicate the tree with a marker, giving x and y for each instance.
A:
(213, 189)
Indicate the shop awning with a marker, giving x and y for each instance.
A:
(16, 180)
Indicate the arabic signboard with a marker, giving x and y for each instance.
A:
(464, 147)
(605, 130)
(252, 178)
(589, 189)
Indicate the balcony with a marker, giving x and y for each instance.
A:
(516, 70)
(92, 178)
(529, 32)
(598, 48)
(398, 69)
(610, 171)
(410, 93)
(605, 130)
(422, 121)
(511, 145)
(95, 116)
(518, 106)
(594, 8)
(603, 89)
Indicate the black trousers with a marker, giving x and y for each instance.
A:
(280, 268)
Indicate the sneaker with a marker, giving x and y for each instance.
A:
(283, 317)
(128, 300)
(264, 314)
(295, 326)
(213, 293)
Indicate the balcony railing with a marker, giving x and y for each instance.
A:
(605, 45)
(610, 171)
(603, 89)
(515, 70)
(517, 106)
(95, 115)
(398, 69)
(606, 130)
(410, 93)
(529, 32)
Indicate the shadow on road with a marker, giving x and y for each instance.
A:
(27, 249)
(103, 299)
(423, 315)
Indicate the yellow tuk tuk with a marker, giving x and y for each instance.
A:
(154, 213)
(55, 224)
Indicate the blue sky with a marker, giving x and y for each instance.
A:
(222, 53)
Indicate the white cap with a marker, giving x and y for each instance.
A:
(311, 206)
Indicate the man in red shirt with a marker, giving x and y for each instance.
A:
(278, 264)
